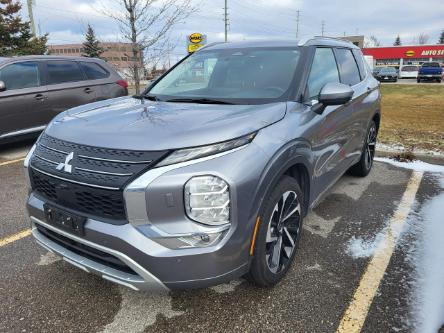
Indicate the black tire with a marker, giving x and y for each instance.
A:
(283, 234)
(364, 166)
(418, 80)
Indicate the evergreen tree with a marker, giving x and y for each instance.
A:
(441, 38)
(397, 41)
(91, 46)
(15, 35)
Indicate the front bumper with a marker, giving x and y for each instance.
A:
(151, 263)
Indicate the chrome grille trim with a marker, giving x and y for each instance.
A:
(105, 172)
(46, 160)
(113, 161)
(73, 181)
(53, 149)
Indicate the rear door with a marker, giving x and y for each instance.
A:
(99, 77)
(23, 103)
(67, 86)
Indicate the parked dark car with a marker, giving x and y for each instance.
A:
(34, 89)
(214, 167)
(387, 74)
(430, 71)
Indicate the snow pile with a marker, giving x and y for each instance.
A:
(429, 262)
(414, 165)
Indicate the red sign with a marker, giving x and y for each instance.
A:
(398, 52)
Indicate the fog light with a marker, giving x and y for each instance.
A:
(207, 200)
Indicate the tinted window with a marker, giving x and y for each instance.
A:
(360, 61)
(63, 71)
(93, 71)
(409, 68)
(347, 67)
(20, 75)
(323, 70)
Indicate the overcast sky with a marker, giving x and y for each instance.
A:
(65, 20)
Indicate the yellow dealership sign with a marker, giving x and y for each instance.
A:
(195, 41)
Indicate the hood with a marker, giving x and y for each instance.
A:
(130, 123)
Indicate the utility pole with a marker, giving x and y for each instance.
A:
(31, 17)
(297, 23)
(322, 28)
(226, 20)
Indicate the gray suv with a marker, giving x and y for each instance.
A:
(34, 89)
(208, 175)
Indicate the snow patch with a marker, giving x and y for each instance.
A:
(414, 165)
(48, 259)
(139, 310)
(364, 248)
(429, 262)
(226, 287)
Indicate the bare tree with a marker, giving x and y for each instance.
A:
(372, 41)
(147, 25)
(421, 39)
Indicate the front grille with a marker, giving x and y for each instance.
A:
(95, 202)
(97, 178)
(86, 251)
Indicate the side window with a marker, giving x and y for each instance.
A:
(323, 70)
(63, 71)
(93, 71)
(20, 75)
(348, 67)
(360, 61)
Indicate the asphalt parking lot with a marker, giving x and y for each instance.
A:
(370, 257)
(410, 81)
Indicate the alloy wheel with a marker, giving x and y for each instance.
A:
(283, 231)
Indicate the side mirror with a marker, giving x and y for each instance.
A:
(335, 94)
(332, 93)
(2, 86)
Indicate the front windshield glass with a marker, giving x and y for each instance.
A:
(238, 76)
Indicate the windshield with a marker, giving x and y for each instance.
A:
(238, 76)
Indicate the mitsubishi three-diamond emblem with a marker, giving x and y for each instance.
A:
(65, 165)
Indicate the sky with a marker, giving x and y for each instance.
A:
(66, 20)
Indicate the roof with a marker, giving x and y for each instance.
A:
(46, 57)
(316, 41)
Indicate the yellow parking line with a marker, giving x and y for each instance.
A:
(12, 161)
(354, 317)
(16, 237)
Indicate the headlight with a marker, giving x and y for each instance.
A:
(187, 154)
(207, 200)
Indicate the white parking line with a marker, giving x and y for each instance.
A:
(354, 317)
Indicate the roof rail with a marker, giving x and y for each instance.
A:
(335, 38)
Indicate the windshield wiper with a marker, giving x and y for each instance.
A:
(149, 97)
(198, 101)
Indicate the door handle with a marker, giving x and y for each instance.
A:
(40, 97)
(88, 90)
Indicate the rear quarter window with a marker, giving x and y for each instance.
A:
(60, 71)
(93, 71)
(348, 68)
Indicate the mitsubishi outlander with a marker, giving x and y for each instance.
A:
(208, 174)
